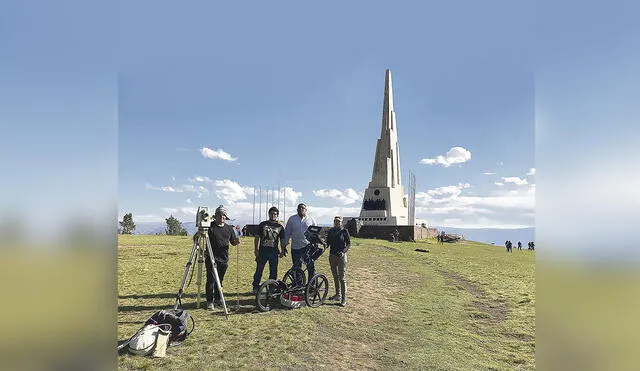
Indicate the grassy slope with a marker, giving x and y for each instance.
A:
(464, 306)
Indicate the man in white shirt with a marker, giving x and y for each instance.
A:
(294, 231)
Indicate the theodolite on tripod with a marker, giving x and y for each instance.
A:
(200, 243)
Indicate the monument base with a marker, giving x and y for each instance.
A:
(405, 232)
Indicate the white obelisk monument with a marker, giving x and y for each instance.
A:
(384, 201)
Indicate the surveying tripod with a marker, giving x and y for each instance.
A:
(197, 252)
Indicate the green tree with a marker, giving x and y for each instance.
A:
(127, 226)
(174, 227)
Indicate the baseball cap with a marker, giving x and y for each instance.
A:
(223, 211)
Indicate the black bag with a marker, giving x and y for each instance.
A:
(179, 321)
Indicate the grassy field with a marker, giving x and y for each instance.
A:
(464, 306)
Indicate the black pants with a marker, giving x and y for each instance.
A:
(211, 288)
(266, 254)
(297, 257)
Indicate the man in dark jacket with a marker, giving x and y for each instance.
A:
(339, 243)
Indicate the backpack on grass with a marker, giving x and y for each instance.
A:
(165, 327)
(143, 342)
(179, 321)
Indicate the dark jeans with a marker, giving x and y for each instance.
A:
(296, 256)
(211, 288)
(266, 254)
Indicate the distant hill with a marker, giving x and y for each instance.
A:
(160, 227)
(494, 235)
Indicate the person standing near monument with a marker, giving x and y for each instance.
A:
(270, 233)
(339, 243)
(220, 236)
(294, 231)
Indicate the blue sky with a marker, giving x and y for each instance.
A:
(291, 94)
(97, 100)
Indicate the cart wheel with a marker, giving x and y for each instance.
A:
(267, 295)
(293, 275)
(317, 290)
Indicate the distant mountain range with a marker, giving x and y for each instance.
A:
(487, 235)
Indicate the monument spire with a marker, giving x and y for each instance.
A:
(386, 165)
(384, 200)
(387, 105)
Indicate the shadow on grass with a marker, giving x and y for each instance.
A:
(154, 296)
(245, 305)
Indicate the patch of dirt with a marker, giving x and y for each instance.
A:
(370, 294)
(369, 291)
(495, 309)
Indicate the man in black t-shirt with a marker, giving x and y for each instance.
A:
(220, 235)
(270, 232)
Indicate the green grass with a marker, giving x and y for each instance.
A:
(460, 306)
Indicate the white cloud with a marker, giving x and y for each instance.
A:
(488, 173)
(164, 188)
(451, 191)
(499, 184)
(218, 153)
(291, 197)
(325, 215)
(532, 171)
(198, 190)
(229, 191)
(240, 202)
(200, 179)
(514, 180)
(456, 155)
(346, 197)
(511, 205)
(500, 163)
(447, 206)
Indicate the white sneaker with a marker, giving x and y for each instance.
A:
(210, 305)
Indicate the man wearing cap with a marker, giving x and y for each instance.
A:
(270, 233)
(220, 235)
(339, 243)
(294, 231)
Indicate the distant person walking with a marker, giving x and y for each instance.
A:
(519, 245)
(270, 233)
(339, 243)
(294, 231)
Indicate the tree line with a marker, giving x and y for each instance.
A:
(174, 226)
